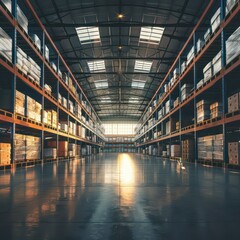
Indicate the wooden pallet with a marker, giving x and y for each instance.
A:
(233, 113)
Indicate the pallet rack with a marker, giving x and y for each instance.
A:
(119, 143)
(218, 88)
(16, 79)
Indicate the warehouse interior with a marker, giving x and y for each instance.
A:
(119, 119)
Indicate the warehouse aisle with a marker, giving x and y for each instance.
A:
(119, 196)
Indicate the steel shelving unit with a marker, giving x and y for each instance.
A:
(219, 87)
(14, 78)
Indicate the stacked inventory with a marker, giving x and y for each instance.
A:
(234, 103)
(33, 148)
(187, 150)
(175, 150)
(20, 147)
(5, 153)
(202, 111)
(233, 153)
(5, 45)
(185, 91)
(20, 103)
(62, 148)
(232, 46)
(211, 148)
(215, 110)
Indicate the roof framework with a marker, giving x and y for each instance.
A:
(103, 50)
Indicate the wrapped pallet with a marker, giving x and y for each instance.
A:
(5, 153)
(20, 103)
(5, 45)
(30, 108)
(33, 148)
(20, 147)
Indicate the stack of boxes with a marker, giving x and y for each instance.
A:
(233, 153)
(202, 111)
(183, 66)
(50, 153)
(62, 148)
(33, 148)
(217, 63)
(50, 117)
(20, 103)
(36, 40)
(207, 71)
(28, 66)
(175, 150)
(176, 102)
(229, 5)
(190, 55)
(185, 91)
(5, 45)
(232, 46)
(30, 108)
(168, 106)
(187, 150)
(215, 20)
(200, 44)
(215, 110)
(20, 147)
(211, 147)
(70, 106)
(234, 103)
(5, 153)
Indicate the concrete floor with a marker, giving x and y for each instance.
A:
(119, 196)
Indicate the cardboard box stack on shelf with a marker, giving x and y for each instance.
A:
(188, 150)
(215, 110)
(233, 153)
(210, 147)
(183, 66)
(20, 147)
(50, 118)
(72, 149)
(170, 126)
(215, 20)
(28, 66)
(33, 148)
(232, 46)
(168, 106)
(203, 112)
(62, 147)
(200, 44)
(5, 153)
(175, 150)
(234, 102)
(190, 55)
(229, 5)
(30, 108)
(20, 103)
(186, 90)
(177, 126)
(207, 34)
(217, 63)
(50, 153)
(5, 45)
(36, 40)
(207, 71)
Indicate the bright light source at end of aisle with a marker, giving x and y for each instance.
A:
(96, 66)
(151, 35)
(142, 66)
(88, 35)
(127, 170)
(138, 83)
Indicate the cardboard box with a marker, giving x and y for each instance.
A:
(215, 20)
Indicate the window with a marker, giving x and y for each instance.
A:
(119, 128)
(88, 35)
(142, 66)
(152, 35)
(96, 66)
(138, 84)
(101, 84)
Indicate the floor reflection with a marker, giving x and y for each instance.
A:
(118, 196)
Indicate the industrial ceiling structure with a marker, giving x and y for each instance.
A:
(119, 50)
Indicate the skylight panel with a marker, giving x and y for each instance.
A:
(88, 35)
(133, 100)
(101, 84)
(138, 84)
(105, 100)
(151, 35)
(142, 66)
(96, 66)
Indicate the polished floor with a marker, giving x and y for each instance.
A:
(119, 196)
